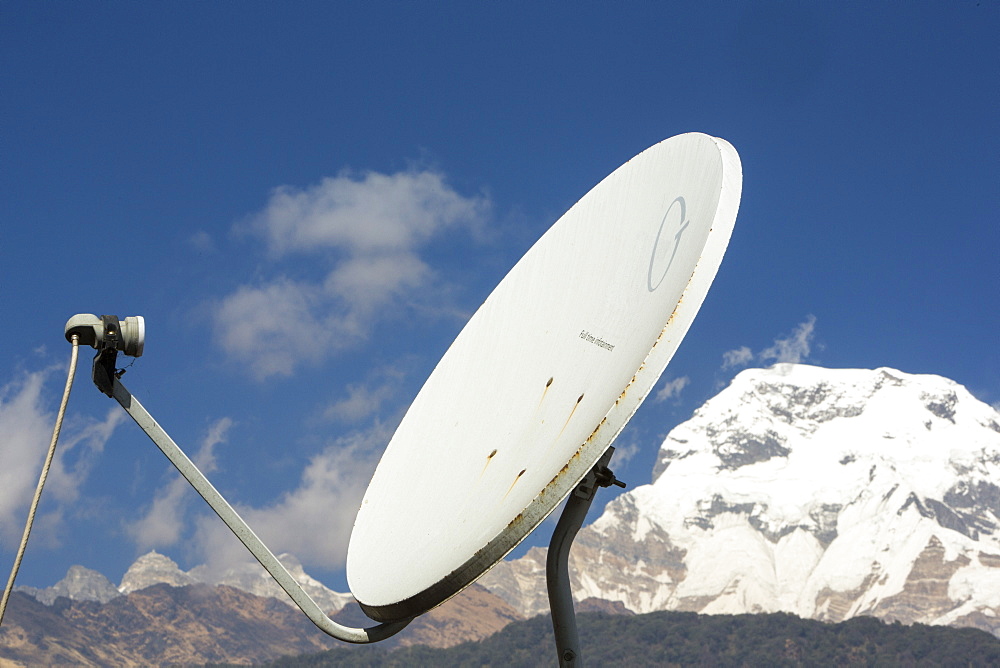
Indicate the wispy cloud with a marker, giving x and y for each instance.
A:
(671, 389)
(201, 242)
(793, 348)
(312, 521)
(741, 356)
(365, 399)
(27, 416)
(624, 453)
(164, 522)
(367, 232)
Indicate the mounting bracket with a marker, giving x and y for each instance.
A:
(557, 559)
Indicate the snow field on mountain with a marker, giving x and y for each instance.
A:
(815, 491)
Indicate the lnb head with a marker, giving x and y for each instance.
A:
(107, 331)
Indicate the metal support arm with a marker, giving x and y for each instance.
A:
(239, 527)
(557, 560)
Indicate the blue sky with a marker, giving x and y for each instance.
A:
(307, 202)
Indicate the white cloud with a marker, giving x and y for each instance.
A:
(366, 214)
(793, 348)
(314, 520)
(624, 453)
(163, 523)
(366, 283)
(739, 357)
(27, 415)
(364, 400)
(25, 426)
(273, 328)
(367, 232)
(671, 389)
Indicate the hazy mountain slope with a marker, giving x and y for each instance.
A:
(197, 624)
(158, 625)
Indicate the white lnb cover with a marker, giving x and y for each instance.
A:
(544, 376)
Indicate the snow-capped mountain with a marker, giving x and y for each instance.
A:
(80, 584)
(152, 568)
(252, 578)
(824, 493)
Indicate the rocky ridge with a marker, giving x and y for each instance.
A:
(164, 625)
(80, 584)
(162, 615)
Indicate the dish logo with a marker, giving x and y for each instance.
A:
(674, 222)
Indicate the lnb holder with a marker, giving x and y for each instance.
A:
(128, 335)
(108, 335)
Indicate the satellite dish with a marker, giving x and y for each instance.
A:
(544, 376)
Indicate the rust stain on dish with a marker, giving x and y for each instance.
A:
(489, 458)
(514, 522)
(553, 483)
(544, 392)
(659, 337)
(516, 478)
(565, 424)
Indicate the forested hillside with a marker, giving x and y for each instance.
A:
(687, 639)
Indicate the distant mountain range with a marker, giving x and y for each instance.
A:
(194, 624)
(828, 494)
(162, 615)
(83, 584)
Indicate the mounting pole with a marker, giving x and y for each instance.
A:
(557, 560)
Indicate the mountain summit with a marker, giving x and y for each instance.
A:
(824, 493)
(80, 584)
(151, 569)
